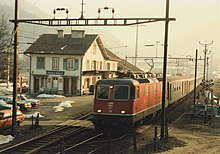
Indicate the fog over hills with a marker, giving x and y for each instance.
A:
(28, 33)
(182, 41)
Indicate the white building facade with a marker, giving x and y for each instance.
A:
(68, 64)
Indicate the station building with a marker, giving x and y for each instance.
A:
(69, 64)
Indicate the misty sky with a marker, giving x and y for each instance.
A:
(196, 20)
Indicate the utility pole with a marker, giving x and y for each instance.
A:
(82, 10)
(136, 47)
(207, 73)
(205, 53)
(163, 108)
(194, 98)
(15, 71)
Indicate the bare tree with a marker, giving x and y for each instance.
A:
(5, 35)
(5, 47)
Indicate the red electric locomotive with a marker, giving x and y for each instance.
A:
(121, 102)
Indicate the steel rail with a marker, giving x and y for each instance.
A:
(44, 136)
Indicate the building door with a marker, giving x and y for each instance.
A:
(66, 86)
(36, 84)
(73, 86)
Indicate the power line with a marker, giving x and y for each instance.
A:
(205, 56)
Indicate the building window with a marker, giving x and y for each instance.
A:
(113, 66)
(100, 65)
(94, 49)
(68, 64)
(108, 66)
(97, 65)
(55, 63)
(88, 65)
(93, 65)
(40, 62)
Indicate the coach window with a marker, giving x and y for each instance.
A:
(103, 91)
(121, 92)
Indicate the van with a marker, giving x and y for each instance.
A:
(6, 118)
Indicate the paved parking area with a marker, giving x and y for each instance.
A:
(79, 104)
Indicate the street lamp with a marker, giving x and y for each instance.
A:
(156, 45)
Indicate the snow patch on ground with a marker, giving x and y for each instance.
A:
(6, 91)
(6, 139)
(28, 116)
(65, 104)
(50, 96)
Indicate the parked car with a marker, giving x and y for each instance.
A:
(6, 118)
(34, 102)
(4, 105)
(201, 108)
(9, 100)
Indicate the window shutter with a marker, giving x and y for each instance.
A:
(76, 64)
(64, 64)
(72, 62)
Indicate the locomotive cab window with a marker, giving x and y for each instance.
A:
(121, 92)
(103, 91)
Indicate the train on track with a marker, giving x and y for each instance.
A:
(131, 98)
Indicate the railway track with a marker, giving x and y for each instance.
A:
(69, 139)
(49, 139)
(100, 144)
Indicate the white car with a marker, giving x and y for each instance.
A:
(9, 100)
(34, 102)
(4, 105)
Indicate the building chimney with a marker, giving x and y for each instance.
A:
(77, 33)
(60, 33)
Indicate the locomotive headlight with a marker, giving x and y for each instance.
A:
(122, 112)
(99, 111)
